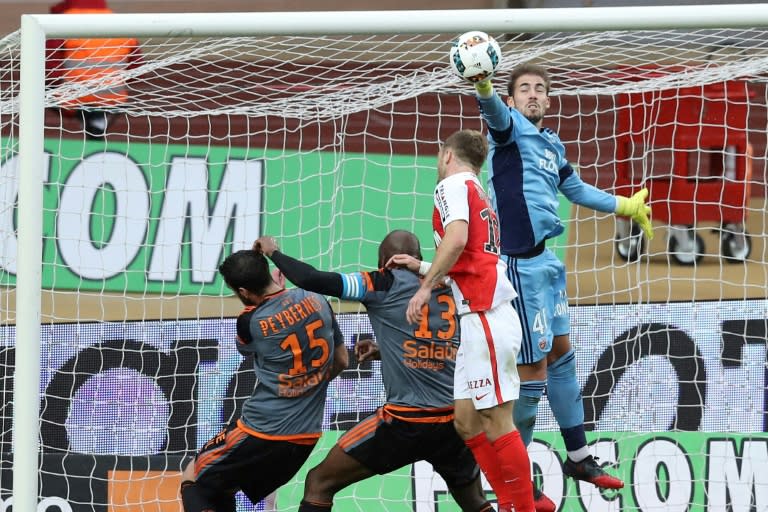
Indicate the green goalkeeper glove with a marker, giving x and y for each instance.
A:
(636, 208)
(484, 88)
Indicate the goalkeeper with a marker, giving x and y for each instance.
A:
(526, 169)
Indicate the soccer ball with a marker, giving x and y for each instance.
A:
(475, 56)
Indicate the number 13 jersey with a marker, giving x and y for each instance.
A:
(478, 277)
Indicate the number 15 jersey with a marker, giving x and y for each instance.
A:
(478, 277)
(292, 336)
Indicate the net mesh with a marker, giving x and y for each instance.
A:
(328, 143)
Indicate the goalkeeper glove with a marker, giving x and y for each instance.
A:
(636, 208)
(484, 88)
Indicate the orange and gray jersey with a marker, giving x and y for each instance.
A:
(292, 336)
(417, 361)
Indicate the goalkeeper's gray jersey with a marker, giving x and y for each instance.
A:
(417, 361)
(292, 337)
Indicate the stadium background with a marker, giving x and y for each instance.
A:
(589, 249)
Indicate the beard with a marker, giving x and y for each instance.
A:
(534, 118)
(534, 115)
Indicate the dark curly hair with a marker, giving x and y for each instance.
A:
(246, 269)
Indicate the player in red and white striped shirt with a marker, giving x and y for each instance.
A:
(486, 382)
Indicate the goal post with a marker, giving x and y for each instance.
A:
(616, 64)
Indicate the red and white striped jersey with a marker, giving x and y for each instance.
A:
(479, 277)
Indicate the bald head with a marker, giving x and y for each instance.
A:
(398, 241)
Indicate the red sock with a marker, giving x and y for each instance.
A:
(485, 455)
(515, 468)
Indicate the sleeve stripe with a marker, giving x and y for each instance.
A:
(354, 286)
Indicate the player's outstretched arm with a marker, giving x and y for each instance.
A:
(299, 273)
(637, 209)
(405, 261)
(494, 111)
(484, 89)
(448, 252)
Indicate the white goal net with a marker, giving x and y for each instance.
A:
(328, 142)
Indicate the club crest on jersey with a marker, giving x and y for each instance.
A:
(542, 343)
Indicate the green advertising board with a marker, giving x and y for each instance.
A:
(153, 218)
(670, 471)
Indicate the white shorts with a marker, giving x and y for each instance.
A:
(486, 363)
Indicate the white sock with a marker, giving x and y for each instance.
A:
(579, 455)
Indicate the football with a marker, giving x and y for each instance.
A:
(475, 56)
